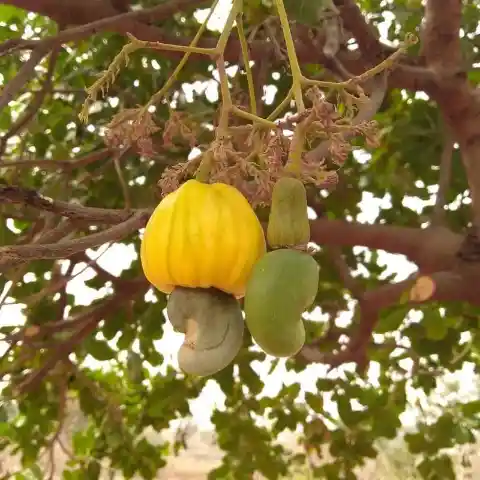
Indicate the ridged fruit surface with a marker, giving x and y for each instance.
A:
(201, 236)
(288, 224)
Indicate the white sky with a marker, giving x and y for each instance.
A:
(118, 257)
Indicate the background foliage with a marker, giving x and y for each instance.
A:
(45, 147)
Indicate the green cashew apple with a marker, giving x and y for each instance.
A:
(283, 284)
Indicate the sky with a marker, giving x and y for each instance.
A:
(118, 257)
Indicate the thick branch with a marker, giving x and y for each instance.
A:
(427, 248)
(448, 286)
(441, 36)
(25, 73)
(13, 194)
(365, 34)
(96, 16)
(94, 20)
(431, 249)
(65, 249)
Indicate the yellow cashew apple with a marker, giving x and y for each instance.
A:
(202, 236)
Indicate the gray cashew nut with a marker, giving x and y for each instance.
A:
(213, 325)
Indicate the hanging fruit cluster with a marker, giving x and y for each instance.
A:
(284, 282)
(200, 246)
(205, 247)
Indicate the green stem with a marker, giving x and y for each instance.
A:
(108, 77)
(227, 29)
(161, 93)
(353, 82)
(282, 106)
(297, 146)
(170, 47)
(292, 56)
(246, 62)
(226, 108)
(253, 118)
(203, 171)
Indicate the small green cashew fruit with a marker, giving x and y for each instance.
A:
(212, 322)
(283, 284)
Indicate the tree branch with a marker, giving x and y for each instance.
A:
(438, 215)
(448, 287)
(365, 34)
(31, 198)
(88, 323)
(25, 73)
(66, 165)
(426, 248)
(441, 36)
(411, 242)
(404, 76)
(96, 20)
(68, 248)
(34, 105)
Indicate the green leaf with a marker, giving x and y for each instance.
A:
(435, 326)
(93, 470)
(99, 349)
(391, 319)
(308, 12)
(416, 442)
(9, 12)
(135, 368)
(438, 468)
(315, 401)
(471, 409)
(83, 441)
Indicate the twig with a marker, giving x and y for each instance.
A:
(148, 15)
(69, 248)
(35, 332)
(344, 272)
(14, 194)
(68, 277)
(121, 179)
(438, 215)
(36, 103)
(93, 263)
(23, 76)
(66, 165)
(58, 234)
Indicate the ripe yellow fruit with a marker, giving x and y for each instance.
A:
(201, 236)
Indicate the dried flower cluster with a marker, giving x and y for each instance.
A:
(253, 159)
(132, 127)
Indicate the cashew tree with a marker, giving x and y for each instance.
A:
(109, 106)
